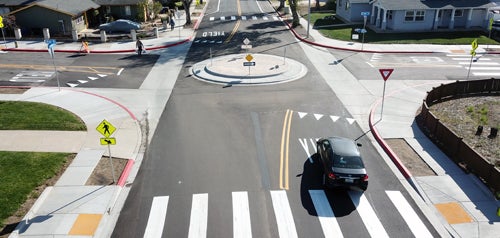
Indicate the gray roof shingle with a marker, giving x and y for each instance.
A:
(434, 4)
(71, 7)
(117, 2)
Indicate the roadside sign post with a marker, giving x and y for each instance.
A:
(107, 129)
(386, 73)
(50, 45)
(308, 18)
(472, 55)
(363, 31)
(249, 62)
(3, 35)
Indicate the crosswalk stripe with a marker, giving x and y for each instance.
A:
(156, 219)
(199, 216)
(483, 68)
(241, 215)
(486, 74)
(283, 213)
(325, 213)
(411, 218)
(462, 59)
(212, 18)
(370, 219)
(244, 18)
(480, 63)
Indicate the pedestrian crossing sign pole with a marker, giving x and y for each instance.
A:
(107, 129)
(472, 55)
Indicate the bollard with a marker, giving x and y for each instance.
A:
(493, 133)
(15, 43)
(479, 130)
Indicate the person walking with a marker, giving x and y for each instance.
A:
(139, 46)
(172, 23)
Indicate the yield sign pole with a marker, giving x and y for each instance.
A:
(385, 75)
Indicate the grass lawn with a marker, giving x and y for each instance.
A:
(21, 173)
(16, 115)
(442, 38)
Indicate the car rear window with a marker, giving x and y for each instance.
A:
(350, 162)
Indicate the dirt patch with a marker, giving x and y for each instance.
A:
(464, 115)
(412, 161)
(13, 90)
(13, 220)
(102, 174)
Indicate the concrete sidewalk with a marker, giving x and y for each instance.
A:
(71, 208)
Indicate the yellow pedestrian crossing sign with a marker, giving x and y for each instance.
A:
(105, 128)
(108, 141)
(474, 44)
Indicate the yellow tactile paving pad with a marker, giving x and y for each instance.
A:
(85, 224)
(457, 51)
(453, 213)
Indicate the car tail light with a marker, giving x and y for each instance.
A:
(331, 175)
(365, 178)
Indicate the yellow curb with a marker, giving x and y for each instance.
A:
(453, 213)
(85, 224)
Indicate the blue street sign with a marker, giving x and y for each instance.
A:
(358, 30)
(50, 45)
(365, 14)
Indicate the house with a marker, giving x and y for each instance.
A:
(418, 15)
(121, 9)
(59, 16)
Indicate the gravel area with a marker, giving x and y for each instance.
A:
(464, 115)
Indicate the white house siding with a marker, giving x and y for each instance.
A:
(341, 12)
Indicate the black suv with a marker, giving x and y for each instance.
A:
(342, 163)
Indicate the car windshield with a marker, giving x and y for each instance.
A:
(350, 162)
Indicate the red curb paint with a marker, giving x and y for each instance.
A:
(125, 173)
(395, 159)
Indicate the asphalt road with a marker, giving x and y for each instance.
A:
(75, 70)
(240, 161)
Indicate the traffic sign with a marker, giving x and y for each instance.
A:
(249, 57)
(246, 41)
(1, 18)
(1, 25)
(365, 14)
(245, 47)
(490, 25)
(474, 44)
(108, 141)
(385, 73)
(105, 128)
(248, 63)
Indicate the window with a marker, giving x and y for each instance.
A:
(419, 15)
(79, 20)
(414, 15)
(127, 11)
(409, 15)
(347, 5)
(459, 13)
(389, 15)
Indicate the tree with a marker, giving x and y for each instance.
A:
(295, 15)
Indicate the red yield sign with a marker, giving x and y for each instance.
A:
(385, 73)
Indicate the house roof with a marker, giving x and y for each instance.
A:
(72, 8)
(117, 2)
(13, 3)
(433, 4)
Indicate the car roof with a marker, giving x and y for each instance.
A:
(344, 146)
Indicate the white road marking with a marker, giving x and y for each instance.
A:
(212, 18)
(222, 18)
(305, 146)
(92, 78)
(302, 114)
(102, 75)
(283, 213)
(233, 18)
(199, 216)
(318, 116)
(483, 68)
(254, 17)
(275, 18)
(241, 215)
(120, 71)
(370, 219)
(72, 84)
(313, 143)
(82, 81)
(486, 74)
(244, 18)
(350, 120)
(480, 63)
(325, 213)
(265, 18)
(156, 219)
(411, 218)
(334, 118)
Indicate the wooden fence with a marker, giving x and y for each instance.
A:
(450, 143)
